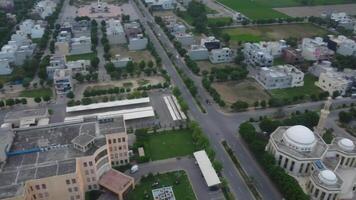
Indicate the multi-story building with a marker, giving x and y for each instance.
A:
(321, 67)
(56, 62)
(325, 171)
(274, 48)
(282, 76)
(78, 66)
(80, 45)
(223, 55)
(59, 62)
(342, 45)
(115, 32)
(343, 20)
(257, 55)
(30, 27)
(45, 8)
(315, 49)
(210, 43)
(161, 4)
(5, 68)
(24, 52)
(77, 157)
(62, 80)
(186, 39)
(292, 56)
(137, 43)
(198, 52)
(20, 38)
(332, 81)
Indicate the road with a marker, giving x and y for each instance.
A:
(188, 165)
(217, 125)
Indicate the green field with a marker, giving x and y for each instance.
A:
(274, 32)
(41, 92)
(308, 89)
(86, 56)
(182, 188)
(263, 9)
(169, 144)
(219, 20)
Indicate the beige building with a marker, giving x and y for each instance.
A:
(73, 158)
(333, 82)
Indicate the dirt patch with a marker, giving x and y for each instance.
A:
(305, 11)
(248, 90)
(136, 56)
(207, 65)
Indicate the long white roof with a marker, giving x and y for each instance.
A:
(108, 104)
(206, 168)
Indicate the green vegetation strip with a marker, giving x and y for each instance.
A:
(41, 92)
(243, 173)
(85, 56)
(178, 180)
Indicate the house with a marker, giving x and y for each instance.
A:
(186, 39)
(315, 49)
(342, 45)
(274, 48)
(37, 32)
(161, 4)
(120, 62)
(115, 32)
(281, 76)
(343, 20)
(210, 43)
(64, 36)
(23, 52)
(59, 62)
(198, 52)
(62, 80)
(8, 51)
(78, 66)
(30, 27)
(332, 81)
(80, 45)
(45, 8)
(20, 38)
(5, 68)
(257, 55)
(56, 62)
(137, 43)
(223, 55)
(321, 67)
(292, 56)
(132, 29)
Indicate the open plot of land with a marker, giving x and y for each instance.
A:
(85, 56)
(274, 32)
(41, 92)
(178, 180)
(263, 9)
(247, 90)
(308, 89)
(305, 11)
(136, 56)
(207, 65)
(169, 144)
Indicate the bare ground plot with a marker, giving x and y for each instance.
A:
(136, 56)
(317, 10)
(248, 90)
(274, 32)
(207, 65)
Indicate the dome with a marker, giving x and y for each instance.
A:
(300, 137)
(327, 177)
(346, 144)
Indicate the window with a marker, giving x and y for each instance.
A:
(85, 164)
(120, 147)
(123, 139)
(90, 163)
(74, 181)
(89, 187)
(68, 182)
(40, 195)
(44, 186)
(92, 171)
(76, 189)
(34, 196)
(88, 179)
(119, 140)
(114, 140)
(37, 187)
(77, 197)
(93, 179)
(109, 141)
(31, 188)
(46, 194)
(69, 189)
(72, 198)
(95, 186)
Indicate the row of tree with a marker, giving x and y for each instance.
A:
(347, 116)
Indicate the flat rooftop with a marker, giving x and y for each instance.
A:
(115, 181)
(33, 113)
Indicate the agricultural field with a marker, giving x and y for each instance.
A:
(247, 90)
(263, 9)
(274, 32)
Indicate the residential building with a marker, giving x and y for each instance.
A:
(59, 62)
(5, 68)
(210, 43)
(64, 36)
(257, 55)
(334, 82)
(27, 25)
(30, 27)
(132, 29)
(137, 43)
(45, 8)
(62, 80)
(324, 171)
(8, 51)
(343, 20)
(161, 4)
(342, 45)
(26, 118)
(176, 28)
(78, 66)
(120, 62)
(274, 48)
(315, 49)
(223, 55)
(56, 62)
(24, 52)
(186, 39)
(198, 52)
(80, 45)
(282, 76)
(37, 31)
(292, 56)
(115, 32)
(321, 67)
(20, 38)
(81, 162)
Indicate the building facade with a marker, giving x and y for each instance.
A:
(223, 55)
(257, 55)
(315, 49)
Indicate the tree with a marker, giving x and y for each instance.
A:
(70, 95)
(150, 64)
(267, 125)
(345, 117)
(226, 37)
(94, 62)
(24, 101)
(263, 104)
(142, 64)
(38, 99)
(52, 46)
(239, 105)
(46, 98)
(217, 166)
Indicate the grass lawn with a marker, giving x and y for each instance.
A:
(274, 32)
(41, 92)
(263, 9)
(247, 90)
(224, 20)
(86, 56)
(182, 190)
(169, 144)
(308, 89)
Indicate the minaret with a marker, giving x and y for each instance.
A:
(323, 116)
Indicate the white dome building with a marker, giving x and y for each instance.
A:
(346, 144)
(324, 184)
(327, 177)
(300, 138)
